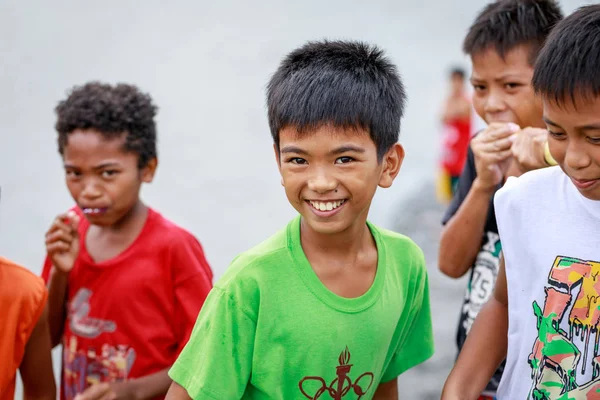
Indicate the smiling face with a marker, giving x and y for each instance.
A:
(331, 174)
(574, 142)
(502, 88)
(103, 179)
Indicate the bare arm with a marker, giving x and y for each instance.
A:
(36, 366)
(57, 301)
(461, 237)
(460, 240)
(478, 360)
(387, 391)
(177, 392)
(147, 387)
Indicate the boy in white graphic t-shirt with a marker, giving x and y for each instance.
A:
(545, 312)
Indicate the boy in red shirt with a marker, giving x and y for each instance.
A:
(125, 283)
(456, 121)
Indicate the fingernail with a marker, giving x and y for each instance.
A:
(512, 138)
(513, 127)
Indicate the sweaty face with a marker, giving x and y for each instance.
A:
(502, 88)
(331, 174)
(103, 179)
(574, 142)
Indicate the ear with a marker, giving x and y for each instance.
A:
(278, 159)
(149, 170)
(392, 161)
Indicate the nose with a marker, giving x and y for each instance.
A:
(494, 103)
(91, 191)
(322, 182)
(575, 156)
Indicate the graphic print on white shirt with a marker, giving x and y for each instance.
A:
(559, 356)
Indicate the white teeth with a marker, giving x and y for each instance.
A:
(327, 206)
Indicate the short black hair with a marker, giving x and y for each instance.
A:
(506, 24)
(567, 67)
(112, 111)
(345, 83)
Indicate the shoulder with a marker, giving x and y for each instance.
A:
(21, 285)
(167, 229)
(402, 250)
(538, 183)
(258, 261)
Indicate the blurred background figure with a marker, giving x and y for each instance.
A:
(456, 132)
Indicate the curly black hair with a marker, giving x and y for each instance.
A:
(112, 111)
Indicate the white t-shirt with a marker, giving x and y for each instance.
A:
(550, 236)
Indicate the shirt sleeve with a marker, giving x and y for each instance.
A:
(464, 186)
(217, 360)
(417, 345)
(193, 281)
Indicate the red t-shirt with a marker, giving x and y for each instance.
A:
(130, 316)
(457, 134)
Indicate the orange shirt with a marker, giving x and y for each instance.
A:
(23, 297)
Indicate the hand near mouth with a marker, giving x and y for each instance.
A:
(62, 241)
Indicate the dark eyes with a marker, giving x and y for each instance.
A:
(109, 173)
(302, 161)
(511, 85)
(557, 135)
(297, 160)
(344, 160)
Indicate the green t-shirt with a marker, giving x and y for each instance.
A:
(271, 330)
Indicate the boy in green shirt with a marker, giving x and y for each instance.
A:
(331, 306)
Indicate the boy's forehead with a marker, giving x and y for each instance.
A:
(90, 145)
(491, 62)
(325, 130)
(579, 111)
(326, 135)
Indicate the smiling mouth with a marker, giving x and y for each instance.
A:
(326, 205)
(93, 211)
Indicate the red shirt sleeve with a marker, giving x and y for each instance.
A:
(193, 281)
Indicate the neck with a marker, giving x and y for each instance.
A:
(345, 244)
(130, 221)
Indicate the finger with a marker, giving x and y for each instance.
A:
(502, 155)
(98, 391)
(495, 146)
(60, 222)
(57, 247)
(59, 235)
(503, 132)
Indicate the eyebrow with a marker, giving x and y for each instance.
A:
(549, 122)
(100, 166)
(342, 149)
(500, 79)
(593, 127)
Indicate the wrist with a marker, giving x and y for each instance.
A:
(127, 390)
(483, 188)
(58, 273)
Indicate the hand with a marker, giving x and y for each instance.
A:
(106, 391)
(62, 241)
(528, 149)
(493, 154)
